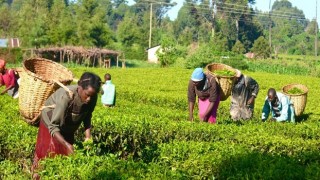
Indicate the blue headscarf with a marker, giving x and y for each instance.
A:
(197, 75)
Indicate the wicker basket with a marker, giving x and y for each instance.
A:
(39, 79)
(225, 82)
(299, 100)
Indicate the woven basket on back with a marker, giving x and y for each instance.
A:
(225, 82)
(39, 79)
(299, 101)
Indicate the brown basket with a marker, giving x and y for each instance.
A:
(225, 82)
(299, 101)
(39, 79)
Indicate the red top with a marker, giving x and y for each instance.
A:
(8, 78)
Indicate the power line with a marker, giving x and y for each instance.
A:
(242, 19)
(238, 11)
(283, 14)
(316, 32)
(257, 14)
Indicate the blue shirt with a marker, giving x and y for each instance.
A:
(285, 108)
(109, 91)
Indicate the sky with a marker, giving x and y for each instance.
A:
(307, 6)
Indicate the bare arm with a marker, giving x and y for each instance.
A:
(254, 86)
(7, 89)
(12, 82)
(57, 135)
(191, 99)
(87, 134)
(191, 107)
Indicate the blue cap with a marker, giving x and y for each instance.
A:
(197, 75)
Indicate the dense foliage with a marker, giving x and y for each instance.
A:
(147, 135)
(227, 25)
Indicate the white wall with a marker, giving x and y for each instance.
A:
(152, 54)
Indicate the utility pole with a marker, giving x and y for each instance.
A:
(316, 32)
(150, 31)
(150, 28)
(213, 19)
(270, 28)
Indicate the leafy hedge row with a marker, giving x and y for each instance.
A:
(189, 160)
(148, 136)
(134, 134)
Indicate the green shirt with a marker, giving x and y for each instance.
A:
(68, 113)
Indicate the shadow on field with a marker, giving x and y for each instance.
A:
(266, 166)
(108, 174)
(252, 165)
(303, 117)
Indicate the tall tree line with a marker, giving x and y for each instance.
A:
(223, 24)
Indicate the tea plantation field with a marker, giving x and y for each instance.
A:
(148, 135)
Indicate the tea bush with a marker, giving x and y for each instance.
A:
(147, 135)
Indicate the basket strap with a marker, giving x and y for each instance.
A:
(50, 106)
(65, 88)
(37, 116)
(217, 80)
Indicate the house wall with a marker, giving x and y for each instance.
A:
(11, 42)
(152, 56)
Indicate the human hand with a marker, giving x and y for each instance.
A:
(205, 118)
(273, 119)
(251, 100)
(2, 93)
(191, 118)
(88, 141)
(69, 147)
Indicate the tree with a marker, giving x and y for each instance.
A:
(167, 53)
(160, 7)
(100, 35)
(32, 20)
(238, 48)
(312, 26)
(91, 18)
(131, 35)
(189, 20)
(7, 21)
(234, 10)
(287, 22)
(301, 44)
(117, 3)
(100, 32)
(219, 43)
(278, 5)
(57, 30)
(84, 11)
(261, 48)
(128, 31)
(117, 14)
(185, 37)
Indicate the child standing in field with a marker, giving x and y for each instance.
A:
(108, 92)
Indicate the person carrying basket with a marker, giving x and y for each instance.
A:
(62, 114)
(243, 94)
(280, 107)
(206, 88)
